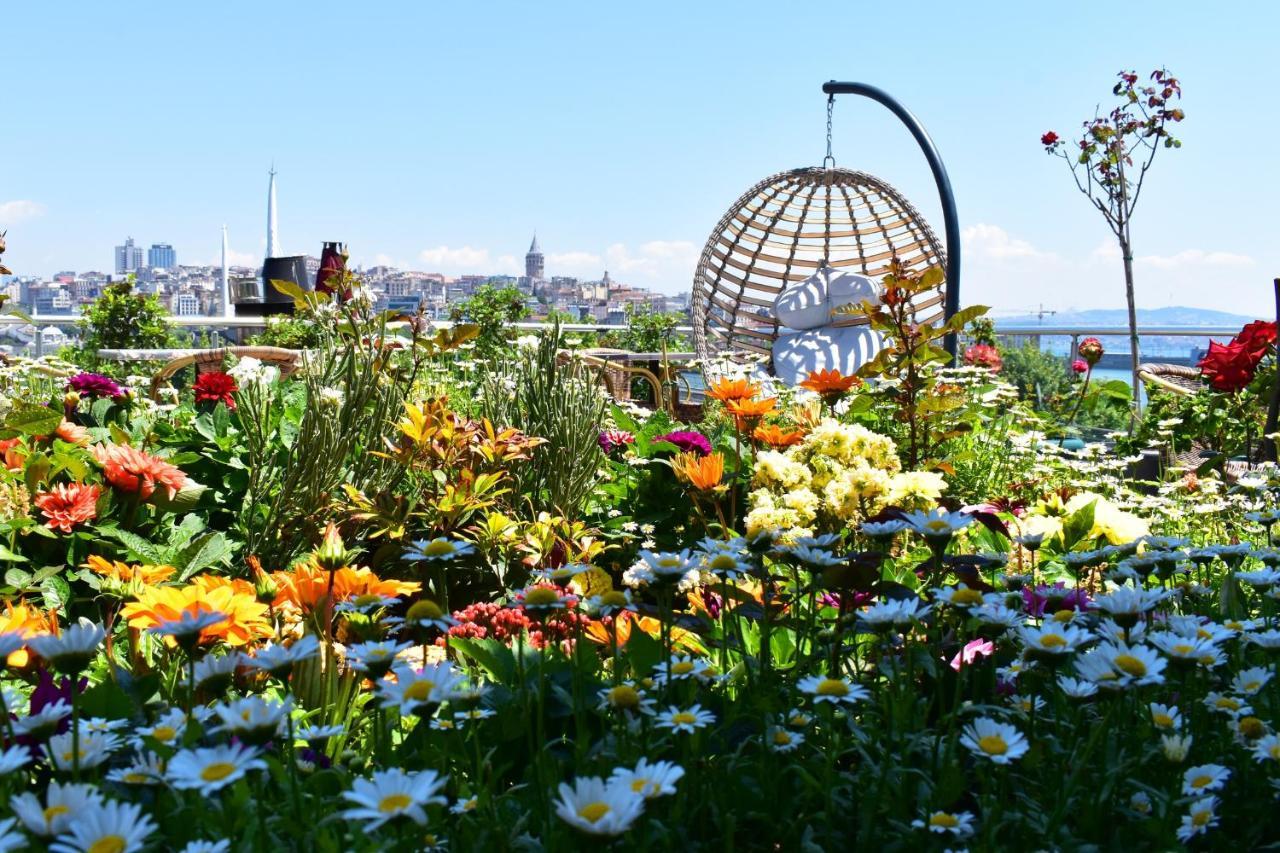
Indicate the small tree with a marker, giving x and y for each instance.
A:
(492, 308)
(123, 319)
(1110, 162)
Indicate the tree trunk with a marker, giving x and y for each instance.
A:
(1126, 251)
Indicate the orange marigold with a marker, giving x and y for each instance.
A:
(246, 617)
(303, 587)
(704, 473)
(726, 389)
(133, 470)
(68, 504)
(748, 412)
(829, 382)
(777, 437)
(124, 573)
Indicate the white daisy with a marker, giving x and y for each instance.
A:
(959, 824)
(833, 690)
(1199, 819)
(780, 739)
(253, 719)
(70, 651)
(12, 758)
(998, 742)
(61, 805)
(146, 769)
(278, 660)
(415, 690)
(684, 720)
(106, 826)
(1250, 681)
(597, 807)
(212, 768)
(438, 549)
(95, 748)
(389, 794)
(1204, 779)
(649, 780)
(1165, 717)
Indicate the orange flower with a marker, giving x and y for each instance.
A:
(26, 621)
(748, 412)
(829, 382)
(303, 587)
(726, 389)
(68, 504)
(132, 470)
(124, 574)
(704, 473)
(246, 618)
(777, 437)
(73, 434)
(14, 453)
(599, 632)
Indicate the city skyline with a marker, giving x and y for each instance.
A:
(450, 162)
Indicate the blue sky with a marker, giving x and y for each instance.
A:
(439, 136)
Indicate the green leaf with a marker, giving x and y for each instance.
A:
(186, 498)
(964, 316)
(1077, 526)
(17, 578)
(203, 552)
(31, 419)
(56, 592)
(137, 547)
(492, 656)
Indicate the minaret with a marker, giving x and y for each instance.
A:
(273, 235)
(224, 290)
(533, 262)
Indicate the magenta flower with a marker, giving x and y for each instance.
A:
(1080, 365)
(95, 385)
(1050, 599)
(972, 650)
(688, 441)
(615, 439)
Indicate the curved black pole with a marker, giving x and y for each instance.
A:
(949, 220)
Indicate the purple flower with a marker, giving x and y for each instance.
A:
(1053, 598)
(95, 385)
(615, 439)
(688, 441)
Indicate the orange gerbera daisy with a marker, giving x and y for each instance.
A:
(704, 473)
(246, 617)
(777, 437)
(132, 470)
(26, 621)
(73, 433)
(599, 632)
(749, 412)
(14, 453)
(829, 383)
(68, 504)
(303, 587)
(124, 573)
(726, 389)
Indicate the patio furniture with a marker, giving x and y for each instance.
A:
(616, 368)
(210, 360)
(795, 224)
(1174, 378)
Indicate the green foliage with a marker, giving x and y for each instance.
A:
(558, 400)
(123, 319)
(1040, 377)
(492, 308)
(648, 331)
(289, 331)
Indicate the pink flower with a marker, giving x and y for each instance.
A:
(973, 650)
(1080, 365)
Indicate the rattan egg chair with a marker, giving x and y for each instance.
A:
(779, 233)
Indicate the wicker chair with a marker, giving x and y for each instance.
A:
(209, 360)
(1174, 378)
(779, 232)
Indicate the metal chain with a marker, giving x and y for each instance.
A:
(829, 161)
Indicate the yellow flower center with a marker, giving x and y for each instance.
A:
(164, 733)
(1053, 641)
(1201, 781)
(782, 737)
(942, 819)
(832, 687)
(541, 596)
(592, 812)
(624, 696)
(1164, 721)
(53, 811)
(438, 547)
(1252, 686)
(1130, 665)
(424, 610)
(614, 598)
(367, 599)
(669, 562)
(1228, 703)
(136, 778)
(1183, 649)
(993, 745)
(1274, 752)
(722, 562)
(799, 719)
(638, 785)
(217, 771)
(394, 803)
(1064, 616)
(683, 718)
(1252, 727)
(938, 526)
(419, 691)
(1201, 818)
(683, 667)
(107, 844)
(966, 596)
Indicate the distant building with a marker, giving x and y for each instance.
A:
(186, 305)
(534, 266)
(128, 257)
(162, 256)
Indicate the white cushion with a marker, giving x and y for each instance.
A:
(808, 305)
(797, 354)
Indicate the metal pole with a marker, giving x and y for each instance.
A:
(949, 220)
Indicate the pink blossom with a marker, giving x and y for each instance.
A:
(972, 650)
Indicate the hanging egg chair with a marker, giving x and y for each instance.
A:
(800, 244)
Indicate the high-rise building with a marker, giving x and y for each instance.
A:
(273, 232)
(128, 257)
(533, 262)
(161, 256)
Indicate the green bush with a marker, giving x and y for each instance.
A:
(123, 319)
(491, 308)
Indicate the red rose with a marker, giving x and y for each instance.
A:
(1049, 138)
(214, 388)
(1256, 337)
(1090, 349)
(1228, 367)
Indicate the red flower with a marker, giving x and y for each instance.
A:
(132, 470)
(66, 505)
(216, 388)
(1228, 367)
(1256, 337)
(1080, 366)
(1090, 350)
(1049, 138)
(983, 355)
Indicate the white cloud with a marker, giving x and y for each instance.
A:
(991, 242)
(579, 264)
(12, 212)
(664, 265)
(1195, 258)
(464, 259)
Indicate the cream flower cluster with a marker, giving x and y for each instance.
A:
(839, 475)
